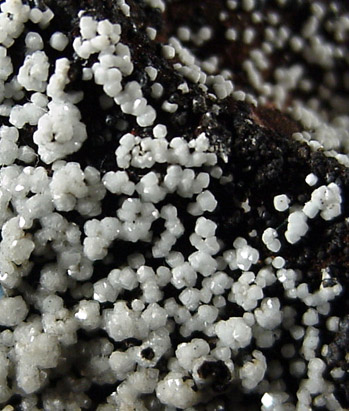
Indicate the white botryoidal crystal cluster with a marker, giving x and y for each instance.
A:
(60, 132)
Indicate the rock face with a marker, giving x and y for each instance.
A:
(173, 205)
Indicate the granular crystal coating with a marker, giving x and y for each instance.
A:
(168, 235)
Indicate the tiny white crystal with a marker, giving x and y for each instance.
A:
(281, 202)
